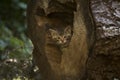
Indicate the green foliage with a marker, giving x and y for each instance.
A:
(18, 48)
(15, 47)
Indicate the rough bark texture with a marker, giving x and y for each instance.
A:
(104, 63)
(74, 57)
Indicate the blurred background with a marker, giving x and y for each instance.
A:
(15, 48)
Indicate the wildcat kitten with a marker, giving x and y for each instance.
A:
(60, 38)
(57, 37)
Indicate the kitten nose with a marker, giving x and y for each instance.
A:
(63, 41)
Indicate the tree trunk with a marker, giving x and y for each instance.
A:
(73, 59)
(104, 63)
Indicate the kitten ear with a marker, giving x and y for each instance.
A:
(68, 29)
(52, 32)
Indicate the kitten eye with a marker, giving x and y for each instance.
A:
(58, 38)
(64, 36)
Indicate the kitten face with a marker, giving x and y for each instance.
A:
(61, 40)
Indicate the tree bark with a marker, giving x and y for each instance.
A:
(104, 63)
(74, 57)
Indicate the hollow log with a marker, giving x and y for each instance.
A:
(72, 65)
